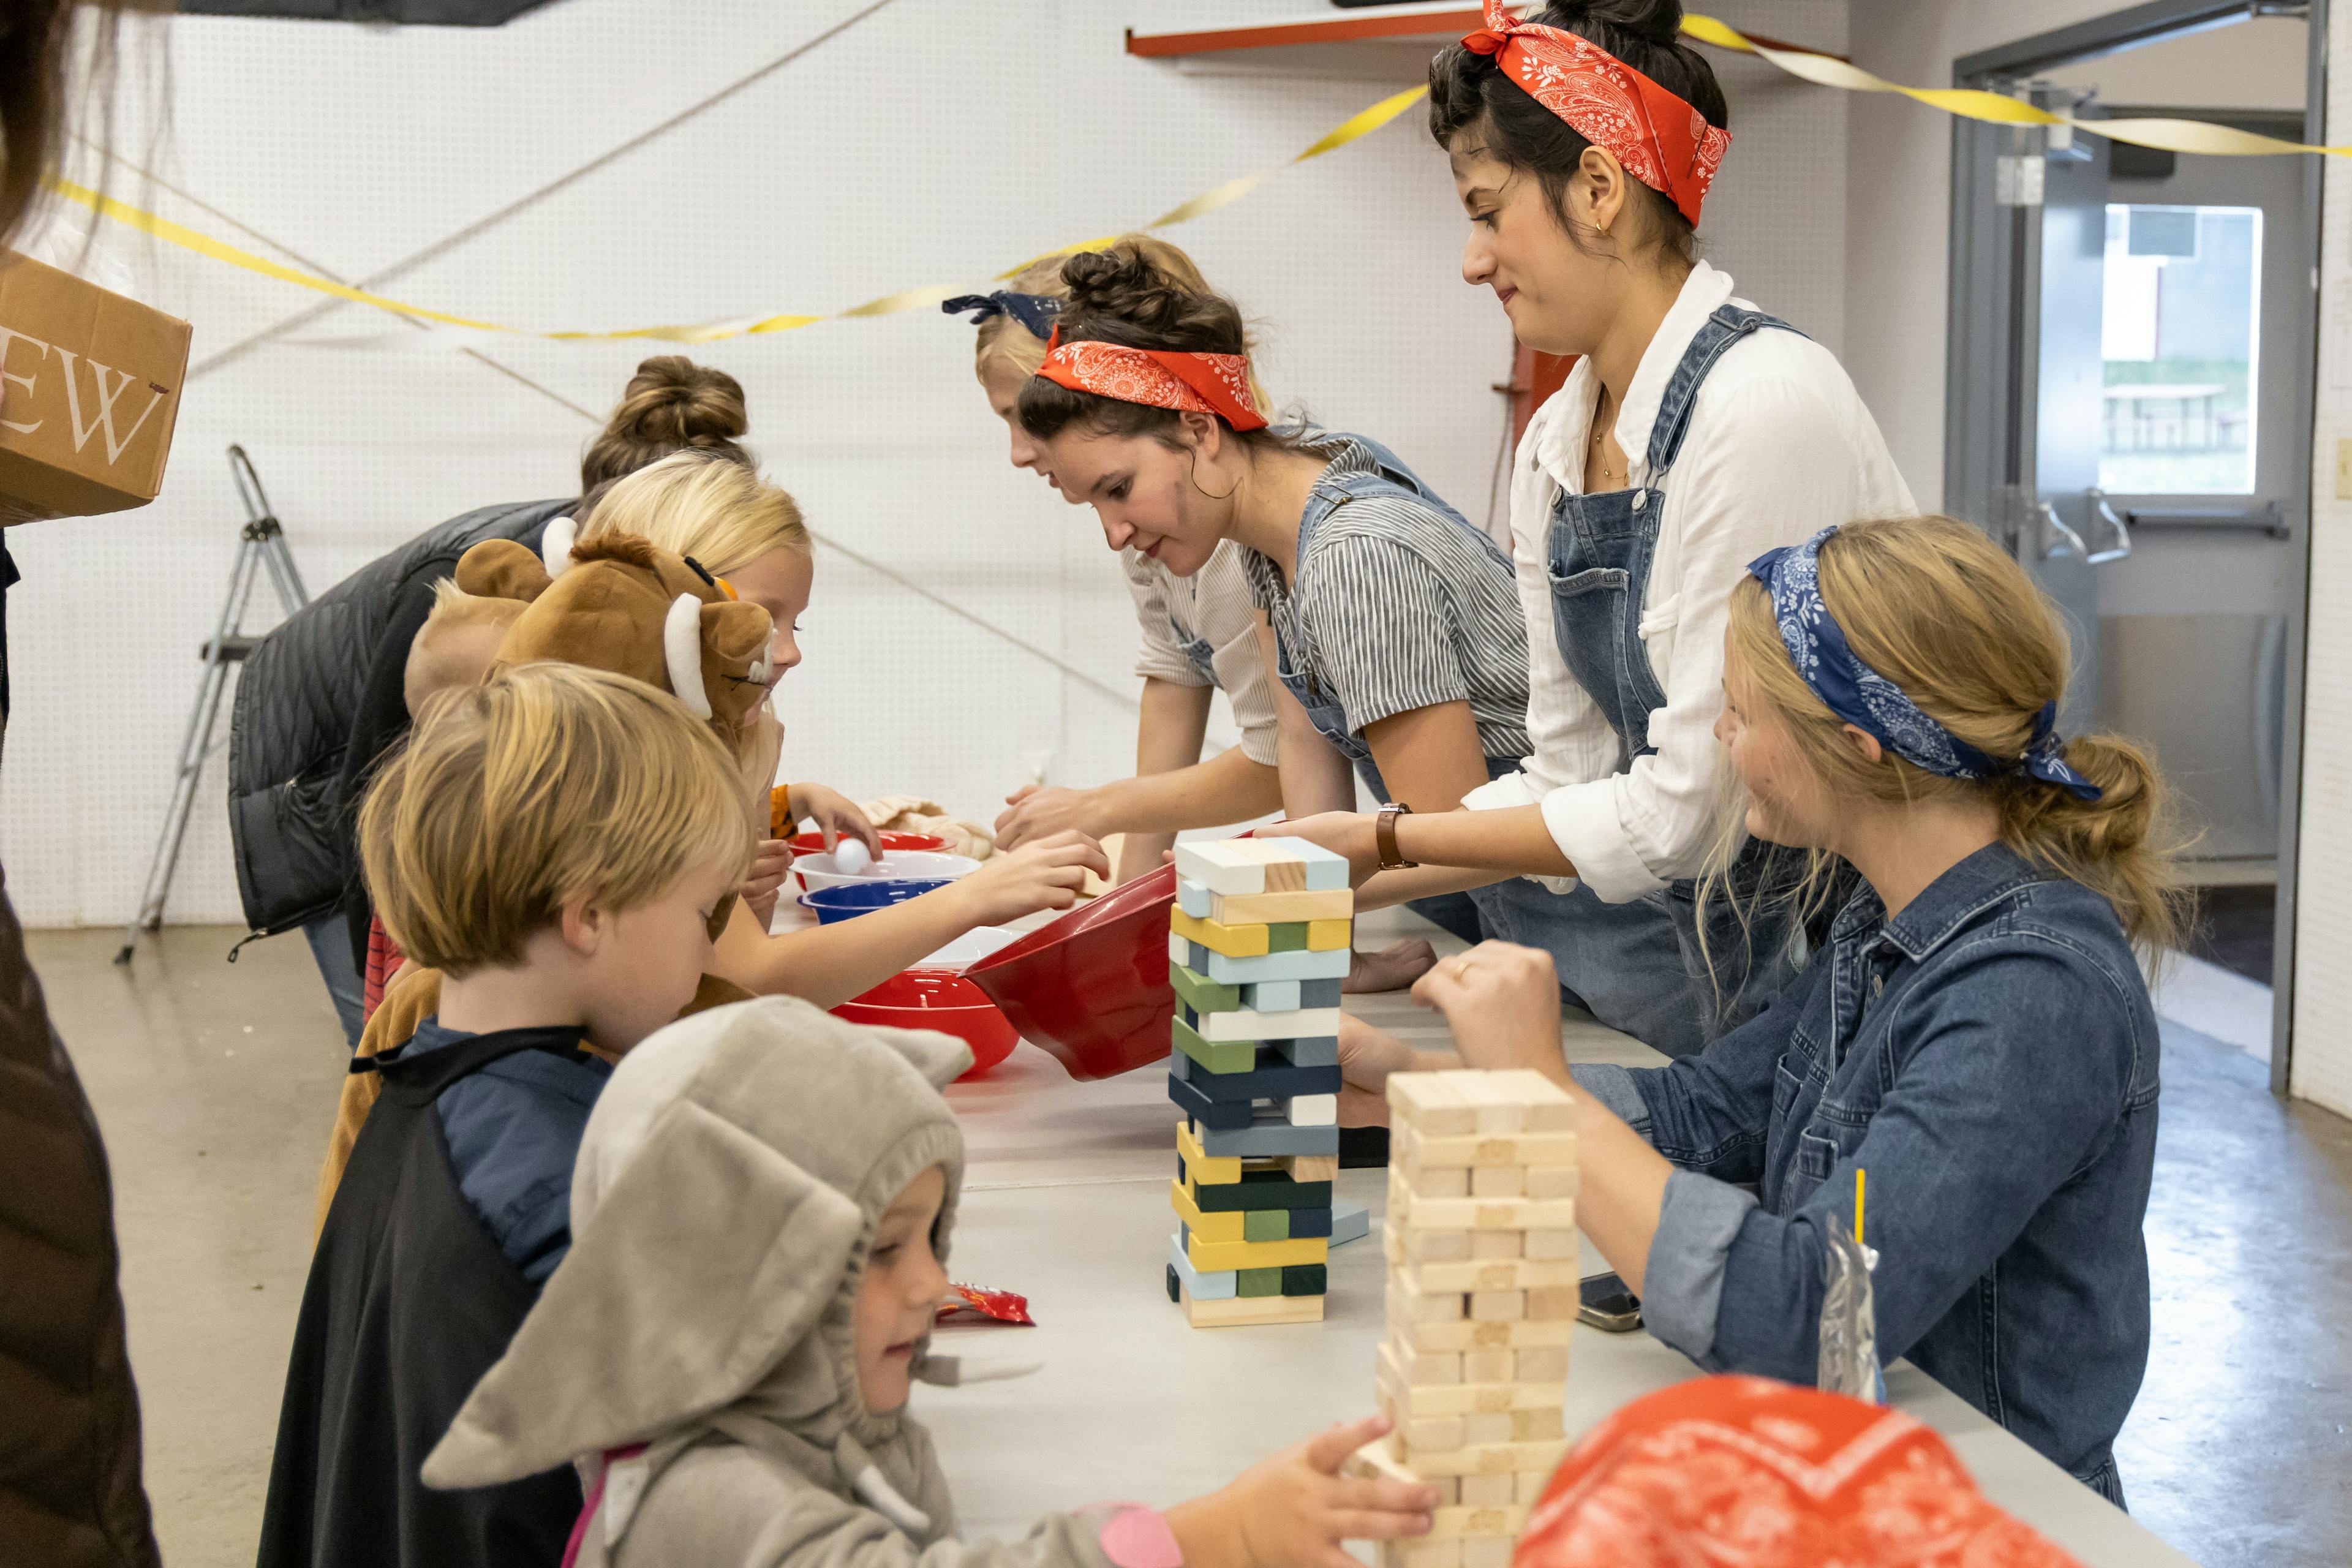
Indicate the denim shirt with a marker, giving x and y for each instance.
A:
(1990, 1056)
(513, 1130)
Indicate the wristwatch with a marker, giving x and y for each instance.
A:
(1384, 838)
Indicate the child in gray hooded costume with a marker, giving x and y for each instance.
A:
(724, 1352)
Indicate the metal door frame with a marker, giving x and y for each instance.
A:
(1986, 352)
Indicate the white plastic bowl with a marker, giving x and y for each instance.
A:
(814, 871)
(971, 948)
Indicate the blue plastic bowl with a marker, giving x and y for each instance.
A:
(849, 903)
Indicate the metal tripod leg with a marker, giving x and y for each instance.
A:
(262, 546)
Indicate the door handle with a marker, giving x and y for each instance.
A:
(2121, 546)
(2065, 541)
(2060, 538)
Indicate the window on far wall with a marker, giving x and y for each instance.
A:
(2179, 332)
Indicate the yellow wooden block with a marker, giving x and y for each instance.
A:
(1330, 936)
(1207, 1226)
(1214, 1256)
(1233, 941)
(1241, 1310)
(1212, 1169)
(1276, 909)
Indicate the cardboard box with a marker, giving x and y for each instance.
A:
(89, 392)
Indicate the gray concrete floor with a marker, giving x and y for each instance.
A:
(215, 1084)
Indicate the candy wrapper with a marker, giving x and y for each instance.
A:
(1849, 1358)
(972, 1304)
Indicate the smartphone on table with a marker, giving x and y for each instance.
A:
(1606, 1303)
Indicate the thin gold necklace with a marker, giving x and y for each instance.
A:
(1599, 435)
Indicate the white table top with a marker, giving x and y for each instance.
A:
(1066, 1200)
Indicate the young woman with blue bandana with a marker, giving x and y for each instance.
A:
(1976, 1035)
(1694, 431)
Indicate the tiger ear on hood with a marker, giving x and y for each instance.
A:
(503, 569)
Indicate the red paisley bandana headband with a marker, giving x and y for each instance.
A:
(1662, 140)
(1191, 383)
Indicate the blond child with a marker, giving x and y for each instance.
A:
(764, 1205)
(558, 844)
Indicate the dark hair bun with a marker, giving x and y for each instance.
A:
(671, 405)
(673, 400)
(1651, 21)
(1120, 296)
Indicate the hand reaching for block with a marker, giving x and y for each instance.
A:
(1502, 1003)
(1292, 1508)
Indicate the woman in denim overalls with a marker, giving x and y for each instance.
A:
(1694, 432)
(1199, 635)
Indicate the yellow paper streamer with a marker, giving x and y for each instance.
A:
(2173, 135)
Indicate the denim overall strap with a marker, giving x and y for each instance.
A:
(1330, 493)
(1333, 492)
(1195, 648)
(1600, 547)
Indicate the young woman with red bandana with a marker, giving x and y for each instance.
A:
(1694, 433)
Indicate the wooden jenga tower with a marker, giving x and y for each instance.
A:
(1482, 1297)
(1259, 942)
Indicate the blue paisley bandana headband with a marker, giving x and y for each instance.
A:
(1034, 311)
(1870, 702)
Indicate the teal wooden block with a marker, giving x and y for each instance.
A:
(1272, 996)
(1219, 1285)
(1192, 898)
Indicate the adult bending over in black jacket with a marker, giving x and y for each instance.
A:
(320, 701)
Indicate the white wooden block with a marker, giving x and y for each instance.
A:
(1488, 1244)
(1221, 866)
(1465, 1335)
(1487, 1491)
(1485, 1459)
(1398, 1399)
(1311, 1109)
(1498, 1306)
(1241, 1024)
(1495, 1108)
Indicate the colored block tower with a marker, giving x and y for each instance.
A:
(1482, 1296)
(1260, 939)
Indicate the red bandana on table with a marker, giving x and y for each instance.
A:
(1747, 1471)
(1662, 140)
(1156, 378)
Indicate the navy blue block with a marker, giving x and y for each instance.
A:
(1309, 1222)
(1224, 1115)
(1274, 1078)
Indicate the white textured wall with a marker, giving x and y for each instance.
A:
(2322, 1063)
(938, 142)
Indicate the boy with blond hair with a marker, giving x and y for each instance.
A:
(560, 844)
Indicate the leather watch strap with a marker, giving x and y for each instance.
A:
(1384, 830)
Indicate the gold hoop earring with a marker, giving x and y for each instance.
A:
(1193, 475)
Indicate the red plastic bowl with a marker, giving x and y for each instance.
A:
(814, 843)
(1092, 987)
(938, 999)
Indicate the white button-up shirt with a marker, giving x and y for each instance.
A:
(1779, 448)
